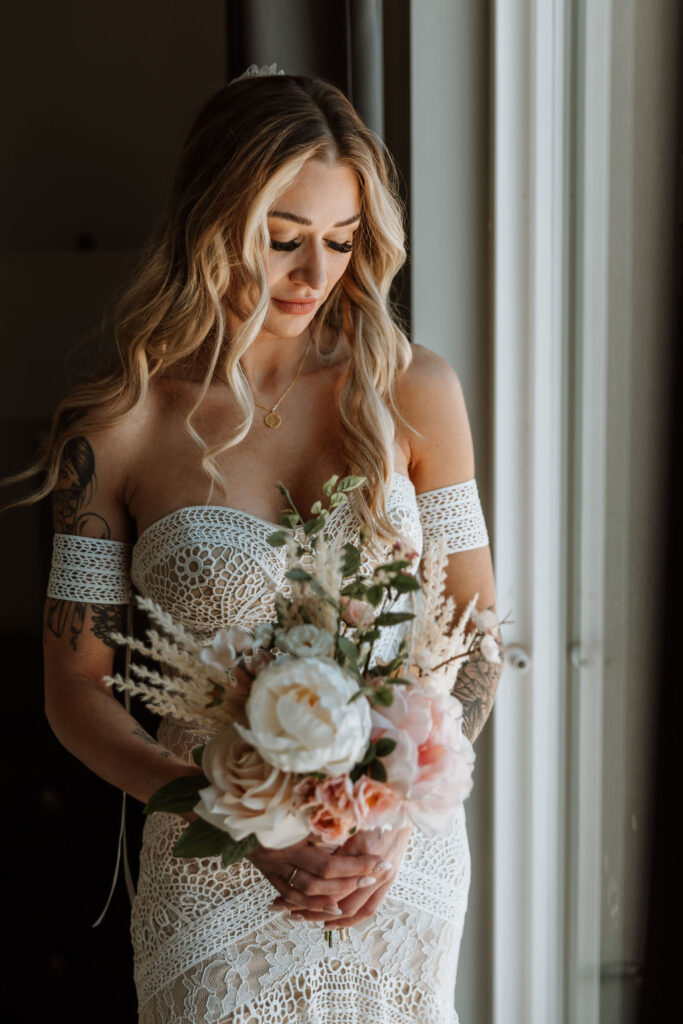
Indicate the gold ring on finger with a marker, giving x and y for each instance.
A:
(290, 880)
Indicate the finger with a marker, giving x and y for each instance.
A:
(326, 865)
(305, 886)
(361, 905)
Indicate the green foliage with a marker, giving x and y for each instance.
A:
(391, 618)
(384, 746)
(378, 771)
(277, 539)
(177, 796)
(351, 562)
(198, 755)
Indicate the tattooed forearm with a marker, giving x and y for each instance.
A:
(108, 619)
(68, 617)
(475, 688)
(150, 739)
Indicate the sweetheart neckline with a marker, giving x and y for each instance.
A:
(247, 515)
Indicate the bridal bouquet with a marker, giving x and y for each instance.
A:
(306, 735)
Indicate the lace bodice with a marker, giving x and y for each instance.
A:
(208, 947)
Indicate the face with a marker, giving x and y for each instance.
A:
(311, 228)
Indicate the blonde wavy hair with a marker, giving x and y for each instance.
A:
(245, 148)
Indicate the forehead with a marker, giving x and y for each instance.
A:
(322, 193)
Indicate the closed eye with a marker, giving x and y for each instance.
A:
(343, 247)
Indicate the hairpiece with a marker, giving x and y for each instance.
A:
(254, 71)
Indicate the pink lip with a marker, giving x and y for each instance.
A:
(296, 308)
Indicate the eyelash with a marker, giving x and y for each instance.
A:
(342, 247)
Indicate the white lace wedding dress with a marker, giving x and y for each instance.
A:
(208, 949)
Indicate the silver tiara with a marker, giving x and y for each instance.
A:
(254, 71)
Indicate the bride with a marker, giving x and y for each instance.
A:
(256, 343)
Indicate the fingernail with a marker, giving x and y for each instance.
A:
(368, 880)
(384, 865)
(334, 910)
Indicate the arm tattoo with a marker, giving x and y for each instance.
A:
(78, 483)
(149, 739)
(475, 688)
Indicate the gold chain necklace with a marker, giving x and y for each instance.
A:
(273, 419)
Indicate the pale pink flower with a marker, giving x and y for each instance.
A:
(332, 828)
(359, 614)
(246, 794)
(303, 794)
(336, 793)
(445, 760)
(376, 802)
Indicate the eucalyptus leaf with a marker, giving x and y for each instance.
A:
(350, 483)
(391, 618)
(297, 574)
(347, 648)
(351, 562)
(403, 582)
(177, 796)
(277, 539)
(314, 525)
(234, 850)
(374, 594)
(383, 696)
(200, 839)
(330, 485)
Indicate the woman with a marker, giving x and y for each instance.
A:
(266, 285)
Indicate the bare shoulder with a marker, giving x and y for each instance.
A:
(430, 397)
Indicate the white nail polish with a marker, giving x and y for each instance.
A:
(364, 882)
(384, 865)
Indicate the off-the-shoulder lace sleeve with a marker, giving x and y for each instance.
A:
(456, 512)
(90, 570)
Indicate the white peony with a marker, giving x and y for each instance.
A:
(306, 641)
(247, 794)
(300, 719)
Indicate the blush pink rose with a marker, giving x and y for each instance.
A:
(445, 761)
(376, 803)
(332, 828)
(359, 614)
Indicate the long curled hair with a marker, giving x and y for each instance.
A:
(246, 146)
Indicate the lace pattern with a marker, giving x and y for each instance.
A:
(208, 950)
(90, 570)
(456, 512)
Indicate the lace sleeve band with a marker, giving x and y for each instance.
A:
(456, 512)
(90, 570)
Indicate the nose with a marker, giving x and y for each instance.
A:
(310, 269)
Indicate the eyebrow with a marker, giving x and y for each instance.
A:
(283, 215)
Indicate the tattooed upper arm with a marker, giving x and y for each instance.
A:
(85, 503)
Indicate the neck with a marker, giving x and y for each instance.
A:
(270, 363)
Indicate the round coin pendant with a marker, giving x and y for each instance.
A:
(272, 420)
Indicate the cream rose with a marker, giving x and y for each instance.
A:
(248, 794)
(300, 719)
(306, 641)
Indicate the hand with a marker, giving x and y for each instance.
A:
(363, 902)
(323, 877)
